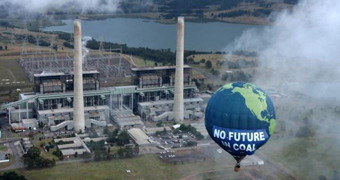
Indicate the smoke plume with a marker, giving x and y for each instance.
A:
(301, 44)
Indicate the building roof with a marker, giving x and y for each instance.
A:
(153, 130)
(176, 126)
(70, 152)
(128, 119)
(17, 126)
(139, 136)
(76, 143)
(68, 110)
(33, 122)
(43, 74)
(157, 68)
(161, 102)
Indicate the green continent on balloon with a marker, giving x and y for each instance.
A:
(255, 101)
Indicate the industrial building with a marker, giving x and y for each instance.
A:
(150, 96)
(67, 97)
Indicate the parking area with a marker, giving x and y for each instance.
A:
(182, 156)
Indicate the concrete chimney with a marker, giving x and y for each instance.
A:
(78, 101)
(179, 101)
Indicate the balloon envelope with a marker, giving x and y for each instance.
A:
(240, 118)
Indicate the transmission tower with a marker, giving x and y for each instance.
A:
(40, 25)
(37, 48)
(24, 40)
(12, 38)
(101, 45)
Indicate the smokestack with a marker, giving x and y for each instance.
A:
(179, 101)
(78, 102)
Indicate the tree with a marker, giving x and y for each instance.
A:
(123, 138)
(76, 155)
(86, 155)
(113, 136)
(106, 130)
(32, 159)
(208, 64)
(136, 149)
(12, 175)
(225, 76)
(121, 152)
(33, 153)
(183, 127)
(191, 143)
(128, 152)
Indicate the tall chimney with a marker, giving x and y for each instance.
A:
(78, 101)
(179, 101)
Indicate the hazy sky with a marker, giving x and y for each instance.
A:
(306, 37)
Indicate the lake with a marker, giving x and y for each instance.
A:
(202, 36)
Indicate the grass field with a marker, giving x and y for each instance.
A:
(6, 164)
(147, 167)
(140, 62)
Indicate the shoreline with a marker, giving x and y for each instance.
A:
(170, 21)
(192, 20)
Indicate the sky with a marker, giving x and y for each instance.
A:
(41, 6)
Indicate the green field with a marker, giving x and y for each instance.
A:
(12, 78)
(48, 155)
(147, 167)
(3, 148)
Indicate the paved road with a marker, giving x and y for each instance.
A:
(18, 162)
(12, 148)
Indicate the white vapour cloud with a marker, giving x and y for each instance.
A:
(85, 50)
(306, 37)
(41, 6)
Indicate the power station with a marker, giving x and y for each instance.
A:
(76, 100)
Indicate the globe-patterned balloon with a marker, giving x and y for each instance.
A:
(240, 118)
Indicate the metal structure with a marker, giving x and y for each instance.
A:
(110, 66)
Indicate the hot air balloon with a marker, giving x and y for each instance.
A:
(240, 118)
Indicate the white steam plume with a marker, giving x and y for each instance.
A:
(300, 43)
(85, 50)
(41, 6)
